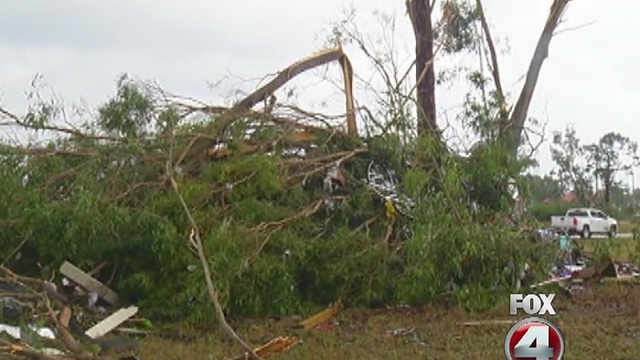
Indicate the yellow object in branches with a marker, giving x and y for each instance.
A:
(390, 209)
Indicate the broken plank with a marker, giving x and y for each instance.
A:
(551, 281)
(321, 317)
(111, 322)
(273, 347)
(88, 282)
(65, 316)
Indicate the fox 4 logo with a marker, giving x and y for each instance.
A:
(534, 337)
(532, 304)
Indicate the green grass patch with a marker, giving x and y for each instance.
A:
(621, 249)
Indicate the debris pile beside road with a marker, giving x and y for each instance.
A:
(575, 276)
(43, 319)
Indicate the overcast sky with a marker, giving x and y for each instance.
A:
(80, 47)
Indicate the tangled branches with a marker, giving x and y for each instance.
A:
(284, 205)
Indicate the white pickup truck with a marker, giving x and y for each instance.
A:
(585, 222)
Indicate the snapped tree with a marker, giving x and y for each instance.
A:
(457, 21)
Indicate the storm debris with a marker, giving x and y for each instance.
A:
(64, 309)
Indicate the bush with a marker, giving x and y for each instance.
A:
(544, 211)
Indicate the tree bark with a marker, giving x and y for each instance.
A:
(420, 14)
(521, 109)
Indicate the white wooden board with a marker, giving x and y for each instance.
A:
(88, 282)
(111, 322)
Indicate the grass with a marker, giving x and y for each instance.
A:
(625, 226)
(622, 249)
(602, 322)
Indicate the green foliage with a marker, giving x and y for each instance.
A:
(590, 170)
(457, 26)
(635, 245)
(603, 250)
(543, 188)
(611, 154)
(567, 153)
(489, 172)
(129, 113)
(273, 245)
(544, 211)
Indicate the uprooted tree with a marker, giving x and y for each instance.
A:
(292, 211)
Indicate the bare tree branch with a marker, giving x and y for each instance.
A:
(492, 52)
(213, 292)
(519, 114)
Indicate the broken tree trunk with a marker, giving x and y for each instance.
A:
(313, 61)
(200, 146)
(420, 16)
(521, 109)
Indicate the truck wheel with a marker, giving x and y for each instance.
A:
(586, 233)
(613, 231)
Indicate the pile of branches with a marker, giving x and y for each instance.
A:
(145, 128)
(288, 204)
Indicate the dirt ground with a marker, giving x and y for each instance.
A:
(602, 322)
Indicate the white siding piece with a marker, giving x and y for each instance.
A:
(111, 322)
(88, 282)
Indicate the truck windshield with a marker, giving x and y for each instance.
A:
(578, 213)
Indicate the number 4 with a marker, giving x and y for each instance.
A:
(542, 351)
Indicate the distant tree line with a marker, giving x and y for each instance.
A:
(588, 174)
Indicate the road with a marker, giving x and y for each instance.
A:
(618, 236)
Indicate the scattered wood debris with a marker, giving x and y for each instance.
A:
(112, 322)
(273, 347)
(66, 309)
(321, 317)
(89, 283)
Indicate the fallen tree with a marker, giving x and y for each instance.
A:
(292, 211)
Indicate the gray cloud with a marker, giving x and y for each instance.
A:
(163, 27)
